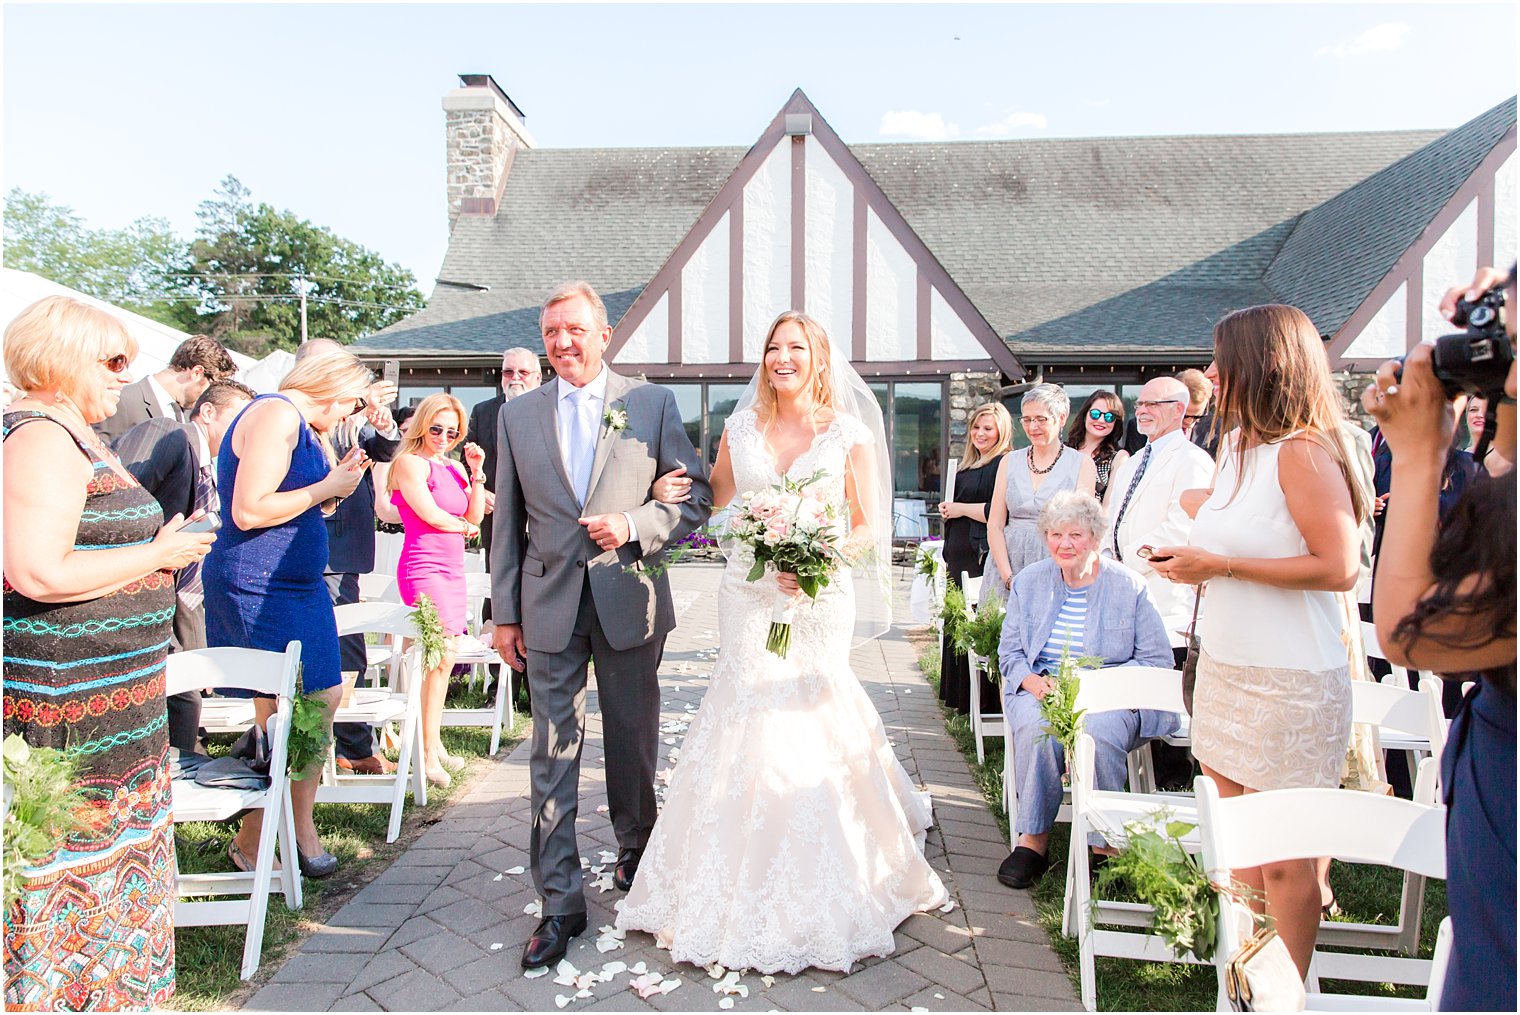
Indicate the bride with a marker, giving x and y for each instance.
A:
(791, 835)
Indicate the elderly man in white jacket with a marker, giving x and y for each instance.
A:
(1144, 498)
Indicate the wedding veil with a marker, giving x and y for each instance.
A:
(871, 576)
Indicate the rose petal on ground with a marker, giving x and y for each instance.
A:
(514, 870)
(939, 997)
(583, 993)
(533, 974)
(496, 946)
(769, 981)
(611, 969)
(726, 1002)
(535, 908)
(666, 986)
(949, 905)
(496, 878)
(606, 856)
(716, 971)
(638, 969)
(647, 985)
(819, 990)
(560, 1000)
(603, 809)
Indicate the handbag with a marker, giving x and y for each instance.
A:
(1190, 664)
(1261, 976)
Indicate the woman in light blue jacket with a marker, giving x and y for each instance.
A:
(1078, 602)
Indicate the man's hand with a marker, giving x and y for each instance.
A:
(508, 642)
(490, 502)
(608, 531)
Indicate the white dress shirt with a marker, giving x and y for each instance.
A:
(166, 403)
(596, 396)
(1155, 517)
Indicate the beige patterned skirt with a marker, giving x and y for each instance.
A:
(1269, 728)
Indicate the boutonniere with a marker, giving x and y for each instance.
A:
(615, 420)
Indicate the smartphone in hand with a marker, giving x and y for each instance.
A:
(1148, 552)
(208, 522)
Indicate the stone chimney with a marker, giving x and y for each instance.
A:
(485, 129)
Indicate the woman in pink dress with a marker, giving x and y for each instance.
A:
(441, 508)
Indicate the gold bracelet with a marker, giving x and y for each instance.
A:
(1229, 568)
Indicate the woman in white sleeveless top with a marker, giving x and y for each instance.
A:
(1276, 539)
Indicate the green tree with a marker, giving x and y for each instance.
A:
(250, 262)
(137, 267)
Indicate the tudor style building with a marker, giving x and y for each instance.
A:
(946, 270)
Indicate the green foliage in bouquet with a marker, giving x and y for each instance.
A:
(1063, 720)
(1164, 875)
(813, 569)
(980, 632)
(43, 805)
(928, 564)
(953, 613)
(309, 736)
(430, 634)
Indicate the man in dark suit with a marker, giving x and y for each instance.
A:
(199, 362)
(520, 373)
(172, 461)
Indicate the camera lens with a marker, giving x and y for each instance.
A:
(1480, 316)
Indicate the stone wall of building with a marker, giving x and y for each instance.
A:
(967, 391)
(1351, 385)
(480, 149)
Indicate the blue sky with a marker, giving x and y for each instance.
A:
(334, 111)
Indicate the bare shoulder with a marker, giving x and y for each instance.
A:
(38, 450)
(1304, 454)
(410, 465)
(270, 416)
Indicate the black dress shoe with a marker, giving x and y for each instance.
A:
(627, 868)
(552, 938)
(1022, 868)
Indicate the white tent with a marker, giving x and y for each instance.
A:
(155, 342)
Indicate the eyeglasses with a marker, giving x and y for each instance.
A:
(1035, 420)
(116, 364)
(521, 373)
(438, 431)
(1097, 414)
(1190, 418)
(1164, 401)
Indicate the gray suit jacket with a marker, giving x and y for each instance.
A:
(540, 553)
(137, 405)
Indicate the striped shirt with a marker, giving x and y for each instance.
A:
(1069, 635)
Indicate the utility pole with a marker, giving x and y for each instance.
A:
(301, 282)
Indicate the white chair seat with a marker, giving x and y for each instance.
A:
(226, 715)
(194, 802)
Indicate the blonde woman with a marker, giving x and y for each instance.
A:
(89, 595)
(989, 436)
(264, 577)
(441, 508)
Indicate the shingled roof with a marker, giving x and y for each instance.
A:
(1112, 248)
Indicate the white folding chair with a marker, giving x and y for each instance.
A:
(1399, 677)
(1288, 824)
(378, 588)
(986, 717)
(477, 591)
(1106, 811)
(267, 673)
(397, 700)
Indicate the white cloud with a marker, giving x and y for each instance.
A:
(910, 123)
(1013, 122)
(1377, 39)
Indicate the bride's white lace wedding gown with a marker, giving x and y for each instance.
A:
(791, 835)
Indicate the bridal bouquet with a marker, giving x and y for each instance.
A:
(795, 532)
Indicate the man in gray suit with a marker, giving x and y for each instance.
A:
(574, 524)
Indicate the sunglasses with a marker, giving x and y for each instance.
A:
(360, 404)
(1096, 414)
(438, 431)
(116, 364)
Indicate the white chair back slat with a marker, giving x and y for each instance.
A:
(379, 588)
(244, 668)
(1117, 687)
(973, 589)
(375, 618)
(1394, 709)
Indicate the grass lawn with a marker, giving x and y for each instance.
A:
(1366, 895)
(207, 959)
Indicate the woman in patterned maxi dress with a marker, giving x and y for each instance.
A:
(89, 594)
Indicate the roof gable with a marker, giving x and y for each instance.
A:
(800, 223)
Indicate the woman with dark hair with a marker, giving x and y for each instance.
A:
(1098, 432)
(989, 435)
(1445, 598)
(1276, 540)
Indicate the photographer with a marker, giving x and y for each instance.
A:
(1445, 600)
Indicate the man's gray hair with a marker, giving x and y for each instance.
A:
(1073, 506)
(519, 352)
(569, 291)
(1051, 396)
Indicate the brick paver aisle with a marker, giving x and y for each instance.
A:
(443, 928)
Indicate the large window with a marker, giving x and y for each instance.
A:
(914, 413)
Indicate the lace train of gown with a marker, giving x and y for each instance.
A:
(791, 835)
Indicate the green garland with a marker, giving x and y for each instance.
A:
(430, 634)
(980, 632)
(952, 612)
(1164, 875)
(43, 804)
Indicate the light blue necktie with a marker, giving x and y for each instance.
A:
(582, 450)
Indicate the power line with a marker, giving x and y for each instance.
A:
(287, 274)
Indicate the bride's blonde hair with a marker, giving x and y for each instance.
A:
(820, 354)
